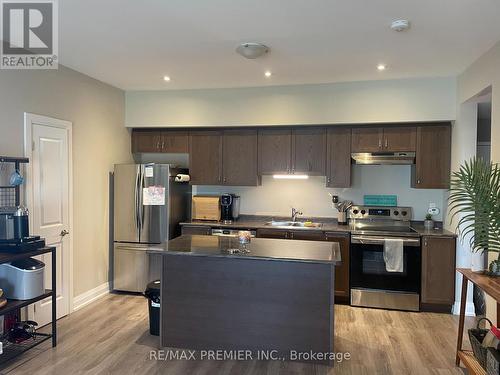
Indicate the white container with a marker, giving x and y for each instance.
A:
(22, 279)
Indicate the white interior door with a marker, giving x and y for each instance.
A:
(49, 200)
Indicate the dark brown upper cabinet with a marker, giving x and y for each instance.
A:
(205, 157)
(275, 151)
(239, 162)
(367, 139)
(146, 140)
(293, 151)
(338, 158)
(438, 270)
(308, 151)
(167, 141)
(226, 157)
(386, 139)
(433, 161)
(400, 139)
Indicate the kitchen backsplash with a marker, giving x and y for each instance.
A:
(276, 197)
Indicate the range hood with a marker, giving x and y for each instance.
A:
(380, 158)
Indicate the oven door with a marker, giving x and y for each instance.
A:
(367, 265)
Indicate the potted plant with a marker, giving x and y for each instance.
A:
(428, 222)
(475, 199)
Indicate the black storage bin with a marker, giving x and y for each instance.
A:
(152, 293)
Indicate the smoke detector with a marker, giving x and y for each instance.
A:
(252, 50)
(400, 25)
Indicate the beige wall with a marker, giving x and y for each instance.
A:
(427, 99)
(484, 74)
(99, 141)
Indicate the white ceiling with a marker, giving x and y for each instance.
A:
(132, 44)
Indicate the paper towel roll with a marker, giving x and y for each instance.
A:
(182, 178)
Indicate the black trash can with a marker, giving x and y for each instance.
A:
(152, 293)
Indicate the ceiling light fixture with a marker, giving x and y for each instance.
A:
(381, 67)
(400, 25)
(166, 78)
(268, 74)
(252, 50)
(290, 176)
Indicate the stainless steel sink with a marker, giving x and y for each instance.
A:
(294, 224)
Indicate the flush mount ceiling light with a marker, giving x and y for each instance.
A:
(381, 67)
(268, 74)
(400, 25)
(252, 50)
(290, 176)
(166, 78)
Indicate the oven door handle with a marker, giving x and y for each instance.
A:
(368, 240)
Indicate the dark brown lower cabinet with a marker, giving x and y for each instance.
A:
(272, 233)
(341, 271)
(438, 273)
(196, 229)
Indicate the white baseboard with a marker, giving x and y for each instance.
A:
(469, 309)
(90, 296)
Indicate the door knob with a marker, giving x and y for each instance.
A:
(64, 232)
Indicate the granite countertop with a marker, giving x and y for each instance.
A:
(260, 222)
(329, 225)
(258, 248)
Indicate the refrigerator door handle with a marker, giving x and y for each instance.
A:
(136, 203)
(141, 206)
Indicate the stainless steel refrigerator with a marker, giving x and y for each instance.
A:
(148, 205)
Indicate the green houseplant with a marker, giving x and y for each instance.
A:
(428, 222)
(475, 199)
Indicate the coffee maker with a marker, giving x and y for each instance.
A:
(230, 208)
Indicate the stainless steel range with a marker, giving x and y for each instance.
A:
(371, 283)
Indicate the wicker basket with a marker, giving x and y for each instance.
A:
(476, 337)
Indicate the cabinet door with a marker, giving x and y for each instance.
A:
(205, 158)
(367, 139)
(275, 151)
(146, 140)
(438, 270)
(175, 141)
(400, 139)
(240, 158)
(306, 235)
(272, 233)
(192, 229)
(432, 168)
(338, 174)
(342, 270)
(309, 151)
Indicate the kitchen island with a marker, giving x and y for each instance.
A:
(270, 297)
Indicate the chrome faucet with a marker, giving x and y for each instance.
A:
(295, 212)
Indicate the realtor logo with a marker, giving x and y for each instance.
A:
(29, 34)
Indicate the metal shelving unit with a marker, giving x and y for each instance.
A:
(12, 350)
(10, 197)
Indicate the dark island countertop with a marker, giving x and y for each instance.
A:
(248, 222)
(258, 248)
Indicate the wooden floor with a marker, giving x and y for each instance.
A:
(111, 337)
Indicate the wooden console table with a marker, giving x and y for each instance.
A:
(490, 286)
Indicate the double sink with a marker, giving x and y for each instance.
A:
(294, 224)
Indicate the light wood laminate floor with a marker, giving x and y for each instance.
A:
(111, 336)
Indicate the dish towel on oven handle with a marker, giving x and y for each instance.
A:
(393, 255)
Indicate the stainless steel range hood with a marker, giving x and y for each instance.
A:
(379, 158)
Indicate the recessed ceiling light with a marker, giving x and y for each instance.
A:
(268, 74)
(381, 67)
(166, 78)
